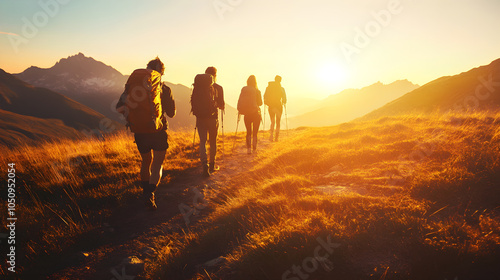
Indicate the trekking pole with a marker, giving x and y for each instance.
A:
(236, 133)
(194, 138)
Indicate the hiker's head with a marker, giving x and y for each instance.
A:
(157, 65)
(277, 79)
(212, 71)
(252, 81)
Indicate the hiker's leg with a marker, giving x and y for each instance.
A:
(159, 145)
(145, 171)
(256, 125)
(278, 122)
(201, 124)
(143, 142)
(212, 134)
(248, 126)
(273, 116)
(146, 166)
(156, 169)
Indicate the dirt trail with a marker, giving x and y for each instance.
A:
(132, 230)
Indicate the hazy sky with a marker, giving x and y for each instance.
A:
(319, 47)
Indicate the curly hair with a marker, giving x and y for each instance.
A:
(157, 65)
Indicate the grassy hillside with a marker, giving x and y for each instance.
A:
(409, 197)
(476, 89)
(18, 129)
(21, 98)
(66, 191)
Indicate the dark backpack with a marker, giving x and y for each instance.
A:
(273, 95)
(247, 103)
(203, 103)
(142, 98)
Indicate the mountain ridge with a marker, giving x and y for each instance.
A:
(350, 104)
(82, 67)
(43, 106)
(475, 89)
(83, 79)
(16, 129)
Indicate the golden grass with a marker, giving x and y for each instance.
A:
(66, 189)
(413, 197)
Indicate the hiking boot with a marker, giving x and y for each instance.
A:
(212, 168)
(206, 172)
(271, 138)
(150, 202)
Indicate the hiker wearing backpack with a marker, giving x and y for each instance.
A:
(146, 103)
(275, 98)
(249, 104)
(206, 99)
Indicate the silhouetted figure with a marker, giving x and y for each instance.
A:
(145, 103)
(206, 99)
(275, 98)
(249, 104)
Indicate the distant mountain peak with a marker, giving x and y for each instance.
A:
(78, 56)
(404, 81)
(81, 60)
(378, 85)
(75, 75)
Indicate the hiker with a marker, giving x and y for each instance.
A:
(275, 98)
(145, 103)
(207, 98)
(249, 104)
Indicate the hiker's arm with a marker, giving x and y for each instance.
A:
(167, 101)
(259, 98)
(283, 97)
(220, 98)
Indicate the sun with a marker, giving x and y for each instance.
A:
(328, 74)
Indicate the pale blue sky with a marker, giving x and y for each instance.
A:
(300, 40)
